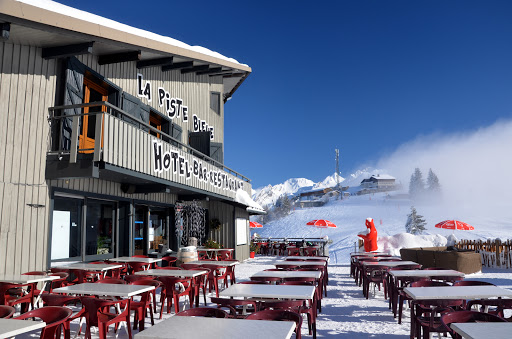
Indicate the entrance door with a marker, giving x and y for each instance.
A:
(99, 229)
(140, 234)
(92, 93)
(67, 229)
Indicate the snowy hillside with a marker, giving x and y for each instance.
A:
(349, 216)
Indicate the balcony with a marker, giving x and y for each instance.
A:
(99, 140)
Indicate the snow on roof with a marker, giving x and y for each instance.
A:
(244, 198)
(96, 19)
(383, 176)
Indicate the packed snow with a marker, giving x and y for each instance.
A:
(390, 216)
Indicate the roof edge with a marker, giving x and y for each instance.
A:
(50, 18)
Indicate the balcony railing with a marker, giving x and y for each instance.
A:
(123, 140)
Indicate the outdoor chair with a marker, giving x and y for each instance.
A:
(279, 315)
(224, 255)
(53, 316)
(111, 281)
(317, 297)
(413, 282)
(287, 267)
(117, 273)
(24, 300)
(168, 268)
(298, 306)
(200, 282)
(467, 317)
(208, 312)
(396, 286)
(187, 266)
(93, 307)
(170, 261)
(426, 313)
(132, 277)
(6, 311)
(216, 273)
(311, 251)
(105, 318)
(268, 280)
(136, 266)
(172, 289)
(427, 316)
(231, 271)
(378, 276)
(293, 251)
(323, 279)
(50, 299)
(491, 306)
(202, 255)
(237, 307)
(83, 276)
(140, 307)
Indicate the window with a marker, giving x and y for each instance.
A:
(215, 102)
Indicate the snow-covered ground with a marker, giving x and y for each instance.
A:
(345, 312)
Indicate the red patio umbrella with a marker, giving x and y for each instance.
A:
(454, 225)
(254, 224)
(322, 223)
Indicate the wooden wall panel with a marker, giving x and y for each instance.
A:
(27, 89)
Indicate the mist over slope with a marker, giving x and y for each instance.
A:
(474, 171)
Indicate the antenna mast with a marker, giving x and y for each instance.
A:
(337, 167)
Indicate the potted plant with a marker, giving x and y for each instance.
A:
(254, 247)
(210, 243)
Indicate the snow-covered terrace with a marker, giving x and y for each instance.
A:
(345, 312)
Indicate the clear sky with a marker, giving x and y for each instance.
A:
(361, 76)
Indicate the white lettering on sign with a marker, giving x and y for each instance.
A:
(173, 160)
(202, 126)
(143, 88)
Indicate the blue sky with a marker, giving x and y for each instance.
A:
(361, 76)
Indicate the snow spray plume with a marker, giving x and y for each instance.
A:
(473, 168)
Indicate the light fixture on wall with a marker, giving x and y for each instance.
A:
(35, 205)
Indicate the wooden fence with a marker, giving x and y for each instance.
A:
(494, 253)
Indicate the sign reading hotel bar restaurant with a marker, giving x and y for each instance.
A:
(173, 160)
(173, 106)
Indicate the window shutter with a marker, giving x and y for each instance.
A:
(176, 134)
(134, 107)
(216, 152)
(74, 95)
(200, 141)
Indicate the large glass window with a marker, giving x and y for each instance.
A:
(66, 228)
(157, 228)
(99, 227)
(139, 234)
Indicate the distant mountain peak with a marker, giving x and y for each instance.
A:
(267, 196)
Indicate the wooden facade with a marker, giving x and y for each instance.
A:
(30, 85)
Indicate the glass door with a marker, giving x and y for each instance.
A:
(140, 231)
(66, 229)
(99, 229)
(157, 228)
